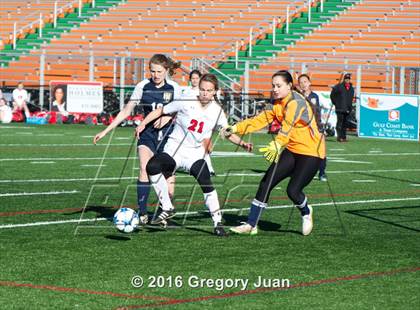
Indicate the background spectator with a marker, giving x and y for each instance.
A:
(5, 112)
(20, 98)
(342, 96)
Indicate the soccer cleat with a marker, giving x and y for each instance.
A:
(163, 216)
(307, 222)
(244, 229)
(219, 231)
(323, 178)
(143, 219)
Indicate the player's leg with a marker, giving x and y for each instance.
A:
(322, 167)
(26, 110)
(143, 184)
(200, 171)
(16, 107)
(158, 168)
(275, 174)
(207, 158)
(305, 169)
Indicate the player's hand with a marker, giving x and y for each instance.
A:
(162, 121)
(227, 131)
(247, 146)
(272, 151)
(139, 130)
(98, 137)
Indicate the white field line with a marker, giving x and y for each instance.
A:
(39, 193)
(363, 181)
(372, 201)
(336, 150)
(42, 162)
(219, 153)
(349, 161)
(415, 184)
(17, 128)
(187, 176)
(92, 165)
(62, 144)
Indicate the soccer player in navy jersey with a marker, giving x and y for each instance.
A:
(305, 87)
(150, 94)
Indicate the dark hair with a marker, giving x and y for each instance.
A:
(62, 87)
(195, 71)
(208, 77)
(287, 77)
(302, 76)
(166, 62)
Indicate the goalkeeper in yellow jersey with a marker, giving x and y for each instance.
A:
(296, 152)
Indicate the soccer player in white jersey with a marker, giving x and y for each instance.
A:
(195, 121)
(191, 92)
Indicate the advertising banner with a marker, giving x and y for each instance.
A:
(76, 97)
(389, 116)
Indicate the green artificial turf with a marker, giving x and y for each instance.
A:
(363, 253)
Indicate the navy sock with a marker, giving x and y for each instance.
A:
(303, 207)
(143, 190)
(322, 167)
(255, 212)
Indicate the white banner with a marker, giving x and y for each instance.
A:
(85, 98)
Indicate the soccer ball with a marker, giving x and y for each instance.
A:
(126, 220)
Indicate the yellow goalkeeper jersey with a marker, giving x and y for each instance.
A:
(299, 132)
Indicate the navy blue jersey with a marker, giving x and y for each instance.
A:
(149, 98)
(314, 100)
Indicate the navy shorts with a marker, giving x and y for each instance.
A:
(150, 138)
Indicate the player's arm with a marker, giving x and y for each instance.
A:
(250, 125)
(148, 119)
(122, 115)
(238, 141)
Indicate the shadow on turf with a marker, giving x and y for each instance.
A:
(379, 215)
(229, 219)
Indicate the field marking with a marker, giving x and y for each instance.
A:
(44, 223)
(42, 162)
(336, 149)
(363, 181)
(18, 127)
(187, 176)
(38, 193)
(186, 200)
(62, 144)
(217, 152)
(414, 184)
(274, 289)
(93, 165)
(348, 161)
(79, 290)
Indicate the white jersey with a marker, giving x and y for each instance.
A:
(6, 114)
(193, 122)
(188, 93)
(20, 96)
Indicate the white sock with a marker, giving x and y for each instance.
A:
(209, 164)
(212, 203)
(303, 204)
(160, 186)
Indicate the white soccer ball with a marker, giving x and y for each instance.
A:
(126, 220)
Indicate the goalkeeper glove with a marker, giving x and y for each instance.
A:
(272, 151)
(226, 132)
